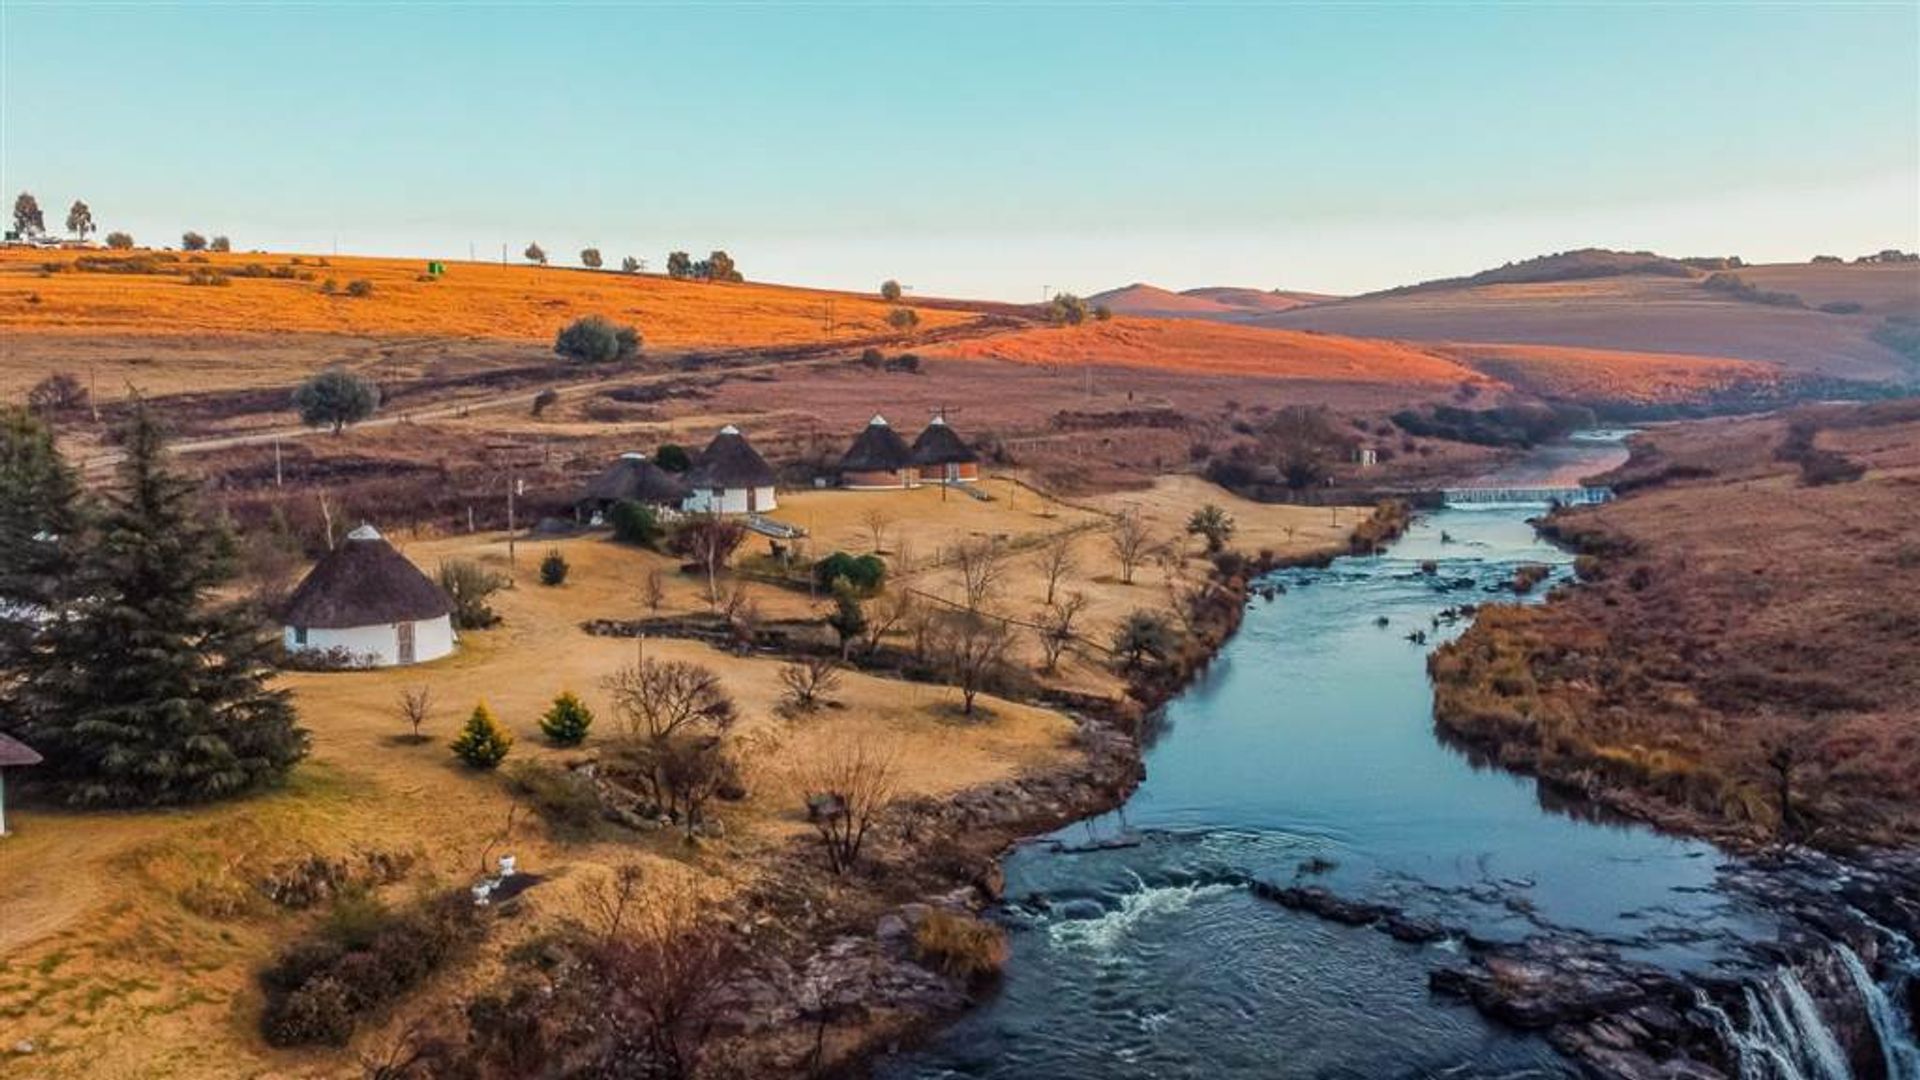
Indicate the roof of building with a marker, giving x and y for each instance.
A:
(363, 582)
(15, 752)
(941, 445)
(730, 461)
(633, 477)
(878, 448)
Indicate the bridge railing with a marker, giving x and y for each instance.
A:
(1572, 495)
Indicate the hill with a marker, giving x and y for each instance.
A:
(1580, 265)
(1654, 310)
(1258, 300)
(1209, 302)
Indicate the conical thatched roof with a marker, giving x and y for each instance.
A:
(363, 582)
(941, 445)
(633, 477)
(730, 461)
(878, 448)
(15, 752)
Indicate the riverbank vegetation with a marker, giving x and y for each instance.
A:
(1743, 655)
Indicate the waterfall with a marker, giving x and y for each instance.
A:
(1784, 1037)
(1891, 1025)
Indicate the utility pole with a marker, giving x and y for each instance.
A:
(512, 487)
(276, 463)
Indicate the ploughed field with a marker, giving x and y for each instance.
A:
(1751, 618)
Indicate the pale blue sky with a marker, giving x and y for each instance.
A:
(981, 150)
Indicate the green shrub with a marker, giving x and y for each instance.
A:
(119, 241)
(468, 585)
(553, 568)
(862, 573)
(208, 277)
(673, 457)
(595, 339)
(635, 523)
(483, 743)
(567, 720)
(359, 288)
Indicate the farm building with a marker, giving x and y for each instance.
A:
(631, 478)
(730, 477)
(879, 458)
(367, 604)
(943, 457)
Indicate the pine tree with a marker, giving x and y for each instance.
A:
(483, 743)
(148, 692)
(567, 721)
(41, 521)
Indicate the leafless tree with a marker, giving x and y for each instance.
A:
(887, 612)
(689, 770)
(982, 566)
(742, 615)
(659, 698)
(920, 624)
(710, 540)
(609, 900)
(1131, 540)
(847, 790)
(1056, 627)
(415, 706)
(809, 680)
(1057, 561)
(972, 648)
(664, 977)
(877, 519)
(653, 591)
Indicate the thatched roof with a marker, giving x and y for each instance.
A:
(730, 461)
(363, 582)
(878, 448)
(941, 445)
(15, 752)
(633, 477)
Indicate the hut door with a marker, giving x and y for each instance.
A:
(404, 632)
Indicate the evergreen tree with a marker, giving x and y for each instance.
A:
(41, 521)
(483, 743)
(567, 721)
(146, 691)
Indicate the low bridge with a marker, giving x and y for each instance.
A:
(1527, 496)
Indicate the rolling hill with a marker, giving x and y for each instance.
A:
(1211, 302)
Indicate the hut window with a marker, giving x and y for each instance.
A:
(299, 635)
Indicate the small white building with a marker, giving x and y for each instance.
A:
(730, 477)
(370, 606)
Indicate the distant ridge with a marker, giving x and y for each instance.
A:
(1210, 302)
(1578, 265)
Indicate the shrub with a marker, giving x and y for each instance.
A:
(1067, 309)
(595, 339)
(906, 363)
(903, 319)
(335, 398)
(119, 241)
(536, 254)
(553, 568)
(590, 258)
(192, 241)
(1145, 636)
(208, 277)
(673, 457)
(1102, 313)
(329, 287)
(483, 743)
(58, 392)
(862, 573)
(873, 358)
(468, 585)
(359, 288)
(566, 721)
(629, 265)
(564, 799)
(544, 400)
(890, 291)
(959, 945)
(635, 523)
(220, 243)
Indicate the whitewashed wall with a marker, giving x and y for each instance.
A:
(379, 646)
(731, 501)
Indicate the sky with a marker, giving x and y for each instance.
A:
(985, 150)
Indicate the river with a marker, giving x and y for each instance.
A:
(1307, 755)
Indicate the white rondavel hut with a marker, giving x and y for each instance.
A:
(730, 477)
(369, 604)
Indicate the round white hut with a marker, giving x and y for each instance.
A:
(371, 606)
(730, 477)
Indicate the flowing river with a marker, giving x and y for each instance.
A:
(1307, 755)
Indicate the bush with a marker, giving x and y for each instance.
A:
(1102, 313)
(590, 258)
(329, 287)
(597, 340)
(673, 457)
(873, 358)
(564, 799)
(220, 243)
(119, 241)
(208, 277)
(1067, 309)
(567, 720)
(56, 393)
(903, 319)
(960, 946)
(906, 363)
(483, 743)
(544, 400)
(553, 568)
(335, 398)
(359, 288)
(635, 523)
(1145, 636)
(192, 241)
(862, 573)
(890, 291)
(468, 585)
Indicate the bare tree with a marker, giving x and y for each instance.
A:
(847, 790)
(1057, 561)
(809, 680)
(609, 900)
(664, 980)
(877, 518)
(742, 615)
(982, 566)
(710, 540)
(972, 648)
(1056, 627)
(887, 612)
(659, 698)
(1130, 539)
(653, 591)
(415, 706)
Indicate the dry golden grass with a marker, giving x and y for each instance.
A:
(473, 300)
(1639, 377)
